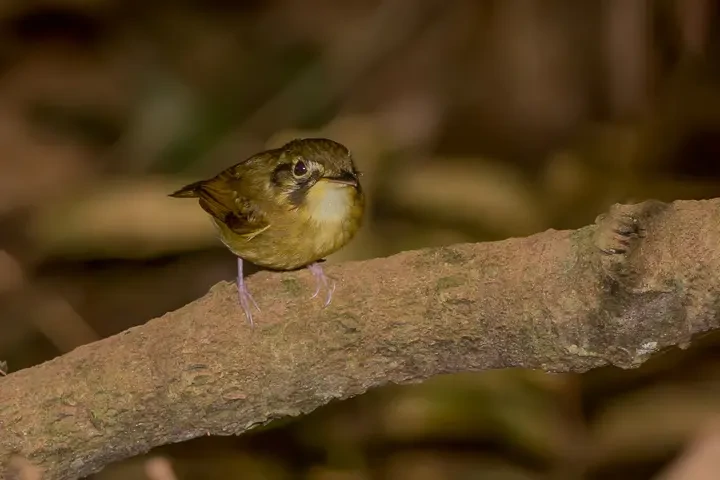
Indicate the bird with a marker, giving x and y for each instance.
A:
(284, 209)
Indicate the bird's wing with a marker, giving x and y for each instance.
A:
(220, 198)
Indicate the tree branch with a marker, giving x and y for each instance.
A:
(643, 278)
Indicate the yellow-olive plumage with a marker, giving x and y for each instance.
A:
(285, 208)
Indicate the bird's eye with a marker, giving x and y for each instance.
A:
(300, 169)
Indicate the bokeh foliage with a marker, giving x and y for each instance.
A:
(471, 120)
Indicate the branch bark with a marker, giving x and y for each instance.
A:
(641, 279)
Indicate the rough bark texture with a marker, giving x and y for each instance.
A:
(643, 278)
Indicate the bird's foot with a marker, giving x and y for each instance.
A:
(245, 298)
(322, 281)
(246, 301)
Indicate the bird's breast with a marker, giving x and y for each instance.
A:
(325, 222)
(328, 204)
(331, 214)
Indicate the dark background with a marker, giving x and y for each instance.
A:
(472, 121)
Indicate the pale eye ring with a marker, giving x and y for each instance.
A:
(300, 169)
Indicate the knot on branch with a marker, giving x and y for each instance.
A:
(641, 310)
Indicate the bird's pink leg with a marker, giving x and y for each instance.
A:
(322, 281)
(245, 298)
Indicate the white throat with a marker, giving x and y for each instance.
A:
(329, 202)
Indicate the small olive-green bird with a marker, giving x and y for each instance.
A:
(285, 208)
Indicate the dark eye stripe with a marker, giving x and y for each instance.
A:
(298, 193)
(297, 196)
(280, 171)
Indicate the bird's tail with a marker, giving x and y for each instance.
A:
(189, 191)
(213, 200)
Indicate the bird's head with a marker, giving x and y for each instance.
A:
(318, 175)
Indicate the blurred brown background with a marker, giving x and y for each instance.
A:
(472, 121)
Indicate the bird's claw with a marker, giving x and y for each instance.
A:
(322, 281)
(245, 302)
(245, 298)
(331, 290)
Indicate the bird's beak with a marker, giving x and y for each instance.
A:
(345, 178)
